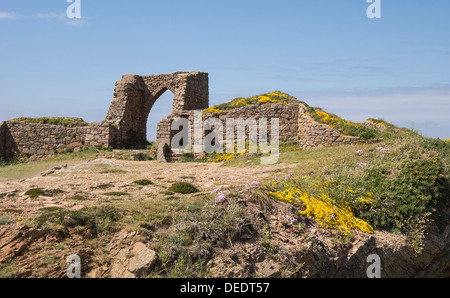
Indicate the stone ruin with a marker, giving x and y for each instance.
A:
(126, 120)
(134, 97)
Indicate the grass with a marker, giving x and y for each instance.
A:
(397, 185)
(78, 198)
(29, 169)
(35, 192)
(272, 97)
(104, 186)
(14, 211)
(7, 268)
(143, 182)
(113, 171)
(99, 218)
(61, 121)
(116, 194)
(183, 188)
(4, 222)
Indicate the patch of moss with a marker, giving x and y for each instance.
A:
(79, 198)
(143, 182)
(61, 121)
(183, 188)
(35, 192)
(116, 194)
(104, 186)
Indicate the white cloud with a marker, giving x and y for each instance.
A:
(7, 15)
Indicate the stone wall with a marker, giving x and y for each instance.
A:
(294, 125)
(134, 97)
(41, 140)
(313, 134)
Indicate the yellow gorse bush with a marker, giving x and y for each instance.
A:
(272, 97)
(327, 212)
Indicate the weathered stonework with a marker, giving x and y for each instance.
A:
(294, 125)
(313, 134)
(41, 140)
(126, 121)
(135, 95)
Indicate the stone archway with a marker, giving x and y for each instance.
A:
(135, 95)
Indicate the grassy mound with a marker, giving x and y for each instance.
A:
(273, 97)
(183, 188)
(399, 185)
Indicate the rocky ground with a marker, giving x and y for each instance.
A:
(269, 248)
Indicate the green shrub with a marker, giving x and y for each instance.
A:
(143, 182)
(35, 192)
(183, 188)
(4, 222)
(104, 186)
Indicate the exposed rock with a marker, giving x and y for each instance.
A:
(53, 170)
(134, 260)
(268, 269)
(15, 240)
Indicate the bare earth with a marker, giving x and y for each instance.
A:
(83, 179)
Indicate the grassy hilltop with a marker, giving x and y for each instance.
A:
(192, 214)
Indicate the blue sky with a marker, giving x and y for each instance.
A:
(326, 52)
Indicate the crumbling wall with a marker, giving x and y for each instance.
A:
(314, 134)
(295, 125)
(40, 140)
(134, 96)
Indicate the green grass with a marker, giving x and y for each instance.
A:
(116, 194)
(35, 192)
(78, 198)
(7, 268)
(4, 222)
(406, 179)
(99, 218)
(14, 211)
(183, 188)
(113, 171)
(61, 121)
(104, 186)
(143, 182)
(29, 169)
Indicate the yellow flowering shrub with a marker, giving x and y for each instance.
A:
(319, 206)
(224, 157)
(272, 97)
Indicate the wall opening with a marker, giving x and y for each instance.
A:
(161, 109)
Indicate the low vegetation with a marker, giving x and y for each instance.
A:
(183, 188)
(143, 182)
(61, 121)
(273, 97)
(100, 219)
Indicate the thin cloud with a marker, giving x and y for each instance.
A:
(8, 15)
(61, 18)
